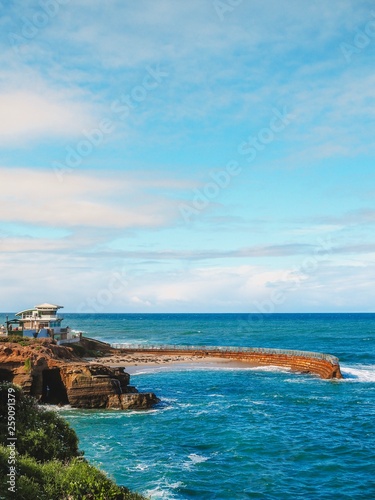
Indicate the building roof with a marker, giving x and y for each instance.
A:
(48, 306)
(41, 307)
(24, 311)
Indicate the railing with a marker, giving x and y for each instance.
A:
(230, 350)
(68, 341)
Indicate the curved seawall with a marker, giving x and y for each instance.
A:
(325, 366)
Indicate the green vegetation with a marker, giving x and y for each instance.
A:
(18, 339)
(27, 365)
(48, 463)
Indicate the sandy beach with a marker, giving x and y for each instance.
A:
(141, 362)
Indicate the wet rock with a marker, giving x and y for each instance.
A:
(139, 401)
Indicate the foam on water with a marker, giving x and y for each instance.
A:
(163, 490)
(139, 467)
(358, 373)
(194, 459)
(197, 459)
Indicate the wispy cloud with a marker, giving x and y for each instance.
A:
(88, 200)
(362, 216)
(30, 115)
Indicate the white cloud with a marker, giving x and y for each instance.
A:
(33, 115)
(110, 200)
(216, 288)
(95, 285)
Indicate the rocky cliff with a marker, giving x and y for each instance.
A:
(54, 374)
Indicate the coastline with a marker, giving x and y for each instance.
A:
(322, 365)
(135, 363)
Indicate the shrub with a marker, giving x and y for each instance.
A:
(17, 339)
(48, 463)
(54, 480)
(41, 434)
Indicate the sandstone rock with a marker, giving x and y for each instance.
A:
(53, 374)
(139, 401)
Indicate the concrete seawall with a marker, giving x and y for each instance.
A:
(323, 365)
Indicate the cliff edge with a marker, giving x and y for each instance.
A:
(56, 375)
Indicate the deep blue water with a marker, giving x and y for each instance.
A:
(240, 433)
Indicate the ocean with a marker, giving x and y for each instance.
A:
(240, 433)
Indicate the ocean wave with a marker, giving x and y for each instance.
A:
(271, 368)
(197, 459)
(186, 405)
(358, 373)
(140, 467)
(194, 459)
(163, 490)
(56, 408)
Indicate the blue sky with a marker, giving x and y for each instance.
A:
(201, 156)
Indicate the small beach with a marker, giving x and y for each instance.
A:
(143, 362)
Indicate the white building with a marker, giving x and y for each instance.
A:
(41, 321)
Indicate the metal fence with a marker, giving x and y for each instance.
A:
(228, 349)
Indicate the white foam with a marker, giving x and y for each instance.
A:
(358, 373)
(271, 368)
(56, 408)
(159, 493)
(185, 405)
(163, 490)
(194, 459)
(138, 468)
(197, 459)
(131, 413)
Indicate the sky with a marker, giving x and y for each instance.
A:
(201, 156)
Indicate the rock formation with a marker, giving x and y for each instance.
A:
(54, 374)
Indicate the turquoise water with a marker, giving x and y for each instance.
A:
(228, 433)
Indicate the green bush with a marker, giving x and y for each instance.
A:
(54, 480)
(48, 463)
(17, 339)
(41, 434)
